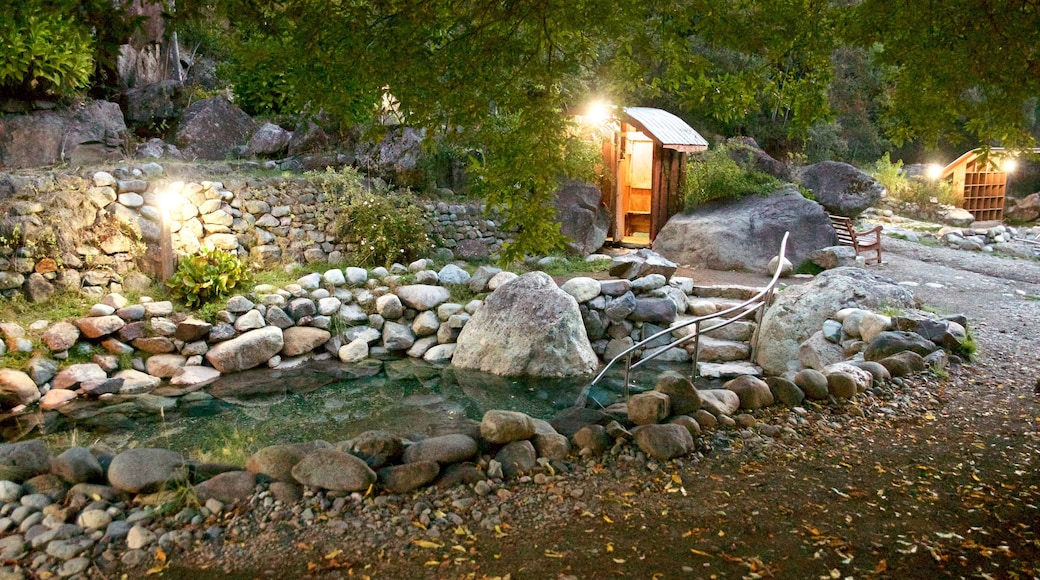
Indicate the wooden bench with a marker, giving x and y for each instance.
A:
(862, 242)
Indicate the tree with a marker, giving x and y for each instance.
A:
(964, 70)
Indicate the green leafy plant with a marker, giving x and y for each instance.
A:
(384, 225)
(714, 175)
(44, 53)
(911, 190)
(207, 276)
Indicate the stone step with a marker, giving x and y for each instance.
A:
(715, 350)
(732, 292)
(727, 370)
(740, 331)
(706, 306)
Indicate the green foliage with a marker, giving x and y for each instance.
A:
(43, 53)
(258, 76)
(65, 305)
(209, 275)
(385, 226)
(568, 265)
(715, 176)
(911, 190)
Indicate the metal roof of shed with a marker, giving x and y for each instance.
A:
(665, 128)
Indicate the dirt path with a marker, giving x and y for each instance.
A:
(937, 478)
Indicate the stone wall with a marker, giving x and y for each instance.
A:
(97, 233)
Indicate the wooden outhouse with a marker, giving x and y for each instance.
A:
(648, 155)
(980, 182)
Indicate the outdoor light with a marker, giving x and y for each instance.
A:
(598, 113)
(168, 200)
(1009, 165)
(933, 171)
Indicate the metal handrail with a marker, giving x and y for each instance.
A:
(756, 303)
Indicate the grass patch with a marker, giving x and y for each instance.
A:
(62, 306)
(563, 265)
(227, 444)
(809, 267)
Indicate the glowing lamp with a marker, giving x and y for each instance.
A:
(1009, 165)
(933, 171)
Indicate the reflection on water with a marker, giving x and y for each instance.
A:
(327, 401)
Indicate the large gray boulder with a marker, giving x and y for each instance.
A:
(246, 351)
(582, 217)
(527, 327)
(747, 154)
(95, 133)
(211, 128)
(799, 311)
(745, 235)
(841, 188)
(31, 140)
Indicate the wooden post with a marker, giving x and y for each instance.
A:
(165, 245)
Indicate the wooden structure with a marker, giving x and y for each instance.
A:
(648, 155)
(867, 242)
(980, 183)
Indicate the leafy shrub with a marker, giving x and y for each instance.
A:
(385, 226)
(713, 175)
(44, 53)
(209, 275)
(258, 77)
(911, 190)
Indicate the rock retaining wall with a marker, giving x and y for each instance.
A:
(93, 233)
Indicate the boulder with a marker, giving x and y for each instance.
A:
(333, 470)
(243, 352)
(527, 327)
(641, 263)
(408, 477)
(298, 340)
(269, 140)
(444, 449)
(813, 383)
(17, 388)
(32, 140)
(517, 458)
(96, 132)
(1026, 209)
(747, 154)
(75, 374)
(501, 427)
(841, 188)
(228, 487)
(582, 288)
(834, 257)
(146, 470)
(98, 326)
(594, 438)
(753, 392)
(648, 408)
(841, 385)
(664, 442)
(76, 465)
(551, 445)
(720, 401)
(212, 128)
(423, 296)
(277, 461)
(376, 448)
(746, 234)
(60, 336)
(891, 342)
(817, 352)
(683, 396)
(903, 363)
(582, 217)
(799, 311)
(785, 391)
(154, 103)
(23, 460)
